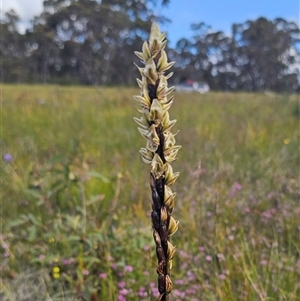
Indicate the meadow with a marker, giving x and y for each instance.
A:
(76, 202)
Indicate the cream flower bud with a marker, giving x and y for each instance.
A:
(157, 40)
(170, 176)
(169, 75)
(144, 101)
(147, 155)
(156, 111)
(163, 64)
(142, 122)
(150, 72)
(162, 87)
(140, 82)
(146, 50)
(151, 135)
(145, 54)
(169, 285)
(157, 166)
(150, 147)
(169, 141)
(170, 264)
(166, 106)
(171, 251)
(170, 90)
(173, 226)
(141, 56)
(163, 214)
(167, 124)
(169, 197)
(171, 153)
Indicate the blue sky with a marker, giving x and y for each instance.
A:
(219, 14)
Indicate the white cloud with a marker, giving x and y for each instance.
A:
(26, 9)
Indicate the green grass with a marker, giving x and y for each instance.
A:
(76, 197)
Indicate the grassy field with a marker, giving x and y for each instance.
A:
(75, 198)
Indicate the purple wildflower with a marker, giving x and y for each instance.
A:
(121, 298)
(123, 292)
(121, 284)
(208, 258)
(102, 275)
(7, 157)
(128, 268)
(234, 189)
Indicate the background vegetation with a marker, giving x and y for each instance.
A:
(75, 199)
(92, 43)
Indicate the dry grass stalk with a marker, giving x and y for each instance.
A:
(160, 151)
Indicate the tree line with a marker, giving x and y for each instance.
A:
(93, 42)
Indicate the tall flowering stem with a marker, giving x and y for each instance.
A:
(160, 151)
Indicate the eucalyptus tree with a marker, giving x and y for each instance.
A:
(94, 38)
(12, 49)
(260, 52)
